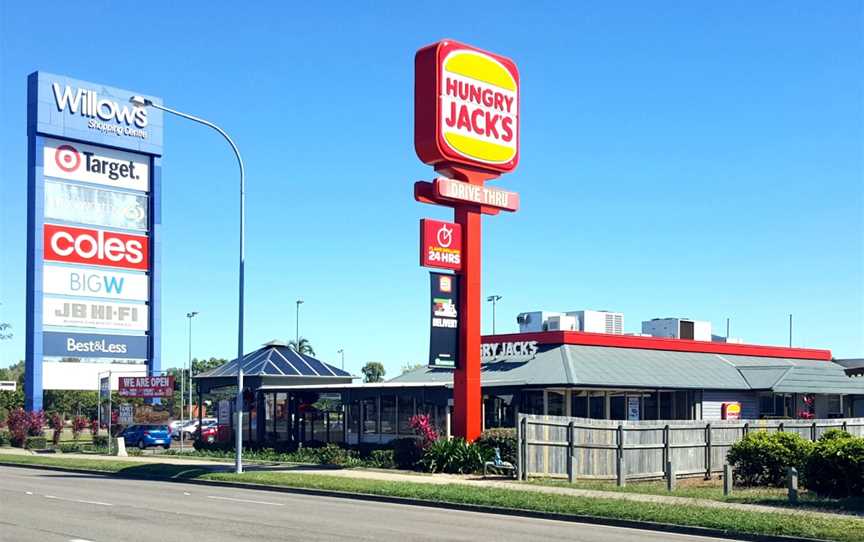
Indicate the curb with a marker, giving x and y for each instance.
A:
(515, 512)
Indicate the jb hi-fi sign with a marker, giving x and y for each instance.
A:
(466, 125)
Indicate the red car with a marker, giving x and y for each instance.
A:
(209, 433)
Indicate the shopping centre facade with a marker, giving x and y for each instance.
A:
(292, 398)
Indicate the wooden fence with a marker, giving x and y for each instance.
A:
(556, 446)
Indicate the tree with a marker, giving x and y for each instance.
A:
(373, 372)
(5, 330)
(303, 346)
(408, 367)
(14, 372)
(203, 365)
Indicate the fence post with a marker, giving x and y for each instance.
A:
(780, 428)
(708, 451)
(670, 477)
(666, 456)
(727, 479)
(620, 459)
(571, 475)
(813, 432)
(844, 425)
(519, 436)
(792, 484)
(524, 458)
(746, 428)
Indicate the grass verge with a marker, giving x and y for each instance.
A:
(713, 490)
(793, 525)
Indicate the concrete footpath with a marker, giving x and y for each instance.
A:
(438, 479)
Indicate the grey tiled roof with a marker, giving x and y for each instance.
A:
(277, 360)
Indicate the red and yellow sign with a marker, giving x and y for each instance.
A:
(730, 411)
(466, 107)
(440, 244)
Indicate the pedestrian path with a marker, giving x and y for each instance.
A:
(441, 479)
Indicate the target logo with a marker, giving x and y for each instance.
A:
(67, 158)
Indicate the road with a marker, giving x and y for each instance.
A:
(46, 506)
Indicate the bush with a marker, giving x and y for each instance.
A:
(382, 459)
(504, 440)
(100, 441)
(455, 456)
(5, 438)
(55, 422)
(763, 458)
(79, 424)
(406, 453)
(94, 427)
(24, 424)
(836, 465)
(70, 448)
(422, 426)
(333, 454)
(35, 443)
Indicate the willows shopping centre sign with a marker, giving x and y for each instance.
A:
(466, 125)
(93, 236)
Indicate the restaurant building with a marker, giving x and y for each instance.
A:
(293, 398)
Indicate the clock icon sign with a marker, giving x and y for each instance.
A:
(445, 236)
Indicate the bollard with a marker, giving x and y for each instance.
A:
(670, 477)
(792, 483)
(727, 479)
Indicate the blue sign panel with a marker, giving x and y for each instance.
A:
(68, 119)
(93, 345)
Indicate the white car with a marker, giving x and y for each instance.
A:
(190, 428)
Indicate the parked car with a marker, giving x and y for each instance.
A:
(144, 436)
(174, 427)
(191, 428)
(209, 433)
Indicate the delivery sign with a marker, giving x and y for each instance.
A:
(440, 244)
(466, 105)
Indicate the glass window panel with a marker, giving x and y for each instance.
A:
(406, 410)
(555, 403)
(579, 406)
(597, 407)
(388, 414)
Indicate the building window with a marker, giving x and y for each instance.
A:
(406, 410)
(597, 406)
(667, 405)
(388, 414)
(532, 402)
(499, 411)
(555, 403)
(618, 407)
(835, 406)
(370, 415)
(579, 405)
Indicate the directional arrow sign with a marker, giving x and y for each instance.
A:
(452, 189)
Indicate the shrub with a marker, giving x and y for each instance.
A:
(455, 456)
(55, 422)
(383, 459)
(35, 443)
(94, 427)
(333, 454)
(836, 465)
(79, 423)
(763, 458)
(504, 439)
(70, 448)
(24, 424)
(422, 426)
(100, 441)
(5, 438)
(406, 453)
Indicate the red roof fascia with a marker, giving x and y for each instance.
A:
(657, 343)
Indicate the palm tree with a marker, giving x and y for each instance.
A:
(302, 346)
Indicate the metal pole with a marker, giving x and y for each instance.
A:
(137, 100)
(297, 325)
(342, 352)
(190, 316)
(727, 330)
(790, 331)
(493, 315)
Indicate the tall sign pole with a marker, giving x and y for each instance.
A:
(466, 125)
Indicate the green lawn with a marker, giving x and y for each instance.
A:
(713, 490)
(798, 525)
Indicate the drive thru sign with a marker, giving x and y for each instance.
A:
(466, 125)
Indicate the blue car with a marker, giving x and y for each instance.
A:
(144, 436)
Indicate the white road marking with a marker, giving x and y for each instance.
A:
(78, 500)
(245, 500)
(187, 494)
(79, 540)
(28, 492)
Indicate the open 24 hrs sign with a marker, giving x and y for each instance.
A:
(440, 244)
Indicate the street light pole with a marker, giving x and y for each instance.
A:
(494, 299)
(297, 324)
(190, 316)
(342, 352)
(140, 101)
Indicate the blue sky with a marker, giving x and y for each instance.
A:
(678, 159)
